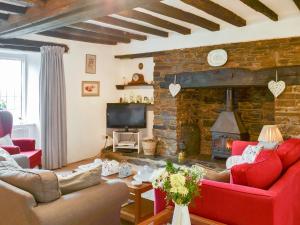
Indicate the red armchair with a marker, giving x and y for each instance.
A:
(22, 146)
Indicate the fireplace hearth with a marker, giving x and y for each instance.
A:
(227, 128)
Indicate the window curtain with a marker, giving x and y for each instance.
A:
(53, 108)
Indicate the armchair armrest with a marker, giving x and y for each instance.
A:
(97, 203)
(239, 146)
(25, 144)
(234, 204)
(16, 205)
(13, 150)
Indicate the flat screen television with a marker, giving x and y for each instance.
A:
(126, 115)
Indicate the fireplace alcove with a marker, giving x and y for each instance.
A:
(203, 98)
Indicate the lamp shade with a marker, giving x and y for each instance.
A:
(270, 133)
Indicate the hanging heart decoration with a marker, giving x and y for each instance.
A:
(276, 87)
(174, 88)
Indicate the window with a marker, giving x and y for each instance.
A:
(12, 84)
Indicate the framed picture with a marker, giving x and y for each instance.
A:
(90, 64)
(90, 88)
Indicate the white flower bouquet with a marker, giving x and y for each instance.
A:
(180, 184)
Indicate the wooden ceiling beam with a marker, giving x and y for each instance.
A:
(297, 2)
(29, 3)
(84, 33)
(217, 11)
(76, 38)
(155, 21)
(132, 26)
(262, 8)
(17, 42)
(109, 31)
(58, 13)
(12, 8)
(179, 14)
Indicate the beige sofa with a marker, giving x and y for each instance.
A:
(97, 205)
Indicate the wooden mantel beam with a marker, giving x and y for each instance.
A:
(233, 77)
(57, 13)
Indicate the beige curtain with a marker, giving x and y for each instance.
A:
(53, 108)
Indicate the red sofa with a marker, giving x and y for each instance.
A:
(242, 205)
(24, 146)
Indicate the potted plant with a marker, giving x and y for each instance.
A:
(149, 146)
(181, 185)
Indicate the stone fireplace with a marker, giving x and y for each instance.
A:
(190, 116)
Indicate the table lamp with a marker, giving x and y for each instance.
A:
(270, 134)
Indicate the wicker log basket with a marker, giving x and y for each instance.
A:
(149, 146)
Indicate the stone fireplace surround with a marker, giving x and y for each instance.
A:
(201, 106)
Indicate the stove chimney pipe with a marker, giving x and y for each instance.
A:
(229, 103)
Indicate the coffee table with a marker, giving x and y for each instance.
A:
(141, 208)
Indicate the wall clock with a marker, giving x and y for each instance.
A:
(217, 57)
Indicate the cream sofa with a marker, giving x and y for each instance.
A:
(97, 205)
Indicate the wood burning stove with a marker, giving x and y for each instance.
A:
(227, 128)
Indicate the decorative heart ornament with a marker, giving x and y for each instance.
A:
(174, 89)
(276, 87)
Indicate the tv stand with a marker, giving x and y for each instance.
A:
(126, 140)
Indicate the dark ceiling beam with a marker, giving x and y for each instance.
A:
(76, 38)
(12, 8)
(132, 26)
(155, 21)
(217, 11)
(29, 43)
(4, 16)
(179, 14)
(88, 34)
(58, 13)
(21, 48)
(262, 8)
(23, 3)
(109, 31)
(297, 2)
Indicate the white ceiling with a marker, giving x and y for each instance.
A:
(284, 9)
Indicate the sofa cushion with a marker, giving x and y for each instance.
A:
(79, 180)
(238, 147)
(42, 184)
(289, 152)
(265, 170)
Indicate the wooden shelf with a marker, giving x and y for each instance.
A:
(123, 86)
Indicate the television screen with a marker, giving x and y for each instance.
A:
(126, 115)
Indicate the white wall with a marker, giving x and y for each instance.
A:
(86, 116)
(126, 68)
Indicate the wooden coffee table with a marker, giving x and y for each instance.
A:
(141, 208)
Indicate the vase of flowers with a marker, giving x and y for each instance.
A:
(181, 185)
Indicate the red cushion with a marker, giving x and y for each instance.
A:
(35, 157)
(261, 174)
(239, 146)
(1, 128)
(289, 152)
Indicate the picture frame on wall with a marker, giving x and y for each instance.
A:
(90, 88)
(90, 64)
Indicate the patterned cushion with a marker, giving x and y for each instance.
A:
(248, 156)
